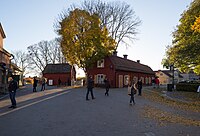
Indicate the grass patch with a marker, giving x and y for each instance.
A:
(157, 97)
(163, 117)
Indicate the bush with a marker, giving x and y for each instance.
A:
(187, 87)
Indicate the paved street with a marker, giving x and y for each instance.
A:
(65, 112)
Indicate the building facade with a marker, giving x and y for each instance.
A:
(120, 71)
(166, 76)
(63, 72)
(190, 76)
(4, 63)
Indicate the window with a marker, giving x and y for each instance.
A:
(146, 80)
(142, 78)
(126, 79)
(100, 79)
(149, 80)
(100, 63)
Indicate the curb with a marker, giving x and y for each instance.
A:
(4, 96)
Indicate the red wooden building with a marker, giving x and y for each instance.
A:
(65, 72)
(120, 71)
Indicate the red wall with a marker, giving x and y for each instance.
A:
(108, 70)
(132, 75)
(113, 75)
(63, 77)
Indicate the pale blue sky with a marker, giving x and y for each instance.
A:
(27, 22)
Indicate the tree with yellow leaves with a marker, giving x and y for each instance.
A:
(82, 39)
(196, 25)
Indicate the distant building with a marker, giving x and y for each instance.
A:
(120, 71)
(4, 63)
(166, 76)
(190, 76)
(63, 72)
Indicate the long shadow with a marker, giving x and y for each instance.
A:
(32, 100)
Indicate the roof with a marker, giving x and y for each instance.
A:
(5, 52)
(129, 65)
(169, 73)
(2, 32)
(15, 67)
(57, 68)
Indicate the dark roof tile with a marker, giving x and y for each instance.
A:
(129, 65)
(57, 68)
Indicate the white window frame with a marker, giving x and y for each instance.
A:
(100, 78)
(146, 80)
(142, 78)
(126, 79)
(149, 80)
(100, 63)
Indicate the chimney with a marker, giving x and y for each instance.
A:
(114, 53)
(125, 56)
(138, 61)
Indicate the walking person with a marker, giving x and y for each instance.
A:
(107, 86)
(59, 82)
(35, 81)
(90, 86)
(133, 90)
(139, 84)
(43, 84)
(153, 82)
(157, 82)
(12, 88)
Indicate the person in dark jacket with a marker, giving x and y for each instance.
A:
(35, 81)
(90, 86)
(107, 86)
(12, 88)
(139, 83)
(59, 82)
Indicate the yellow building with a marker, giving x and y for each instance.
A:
(166, 76)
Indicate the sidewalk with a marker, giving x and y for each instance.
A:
(27, 89)
(25, 97)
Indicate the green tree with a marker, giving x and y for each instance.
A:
(184, 52)
(83, 41)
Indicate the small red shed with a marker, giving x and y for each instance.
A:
(63, 72)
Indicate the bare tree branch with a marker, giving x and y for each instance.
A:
(119, 18)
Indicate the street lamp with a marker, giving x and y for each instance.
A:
(172, 69)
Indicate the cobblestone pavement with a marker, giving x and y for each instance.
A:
(65, 112)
